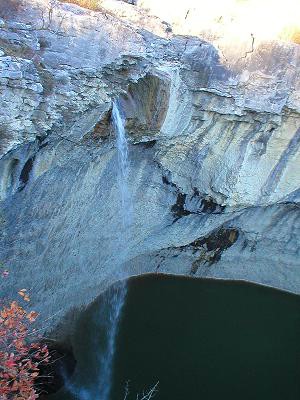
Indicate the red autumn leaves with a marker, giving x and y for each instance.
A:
(20, 357)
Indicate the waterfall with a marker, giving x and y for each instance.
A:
(123, 168)
(109, 316)
(117, 294)
(115, 299)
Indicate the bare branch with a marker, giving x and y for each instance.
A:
(150, 394)
(126, 390)
(252, 47)
(47, 17)
(144, 395)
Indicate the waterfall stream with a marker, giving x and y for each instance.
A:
(115, 299)
(123, 170)
(108, 318)
(116, 295)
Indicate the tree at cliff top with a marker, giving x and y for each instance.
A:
(20, 357)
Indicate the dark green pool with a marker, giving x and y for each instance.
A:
(201, 339)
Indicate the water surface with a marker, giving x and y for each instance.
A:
(200, 338)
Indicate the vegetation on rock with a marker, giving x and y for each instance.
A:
(20, 355)
(90, 4)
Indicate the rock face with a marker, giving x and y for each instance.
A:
(214, 149)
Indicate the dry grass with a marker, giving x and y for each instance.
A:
(90, 4)
(296, 37)
(291, 34)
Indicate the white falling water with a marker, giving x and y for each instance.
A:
(123, 167)
(115, 296)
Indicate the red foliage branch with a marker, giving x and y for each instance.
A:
(19, 357)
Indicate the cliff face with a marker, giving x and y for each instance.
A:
(214, 149)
